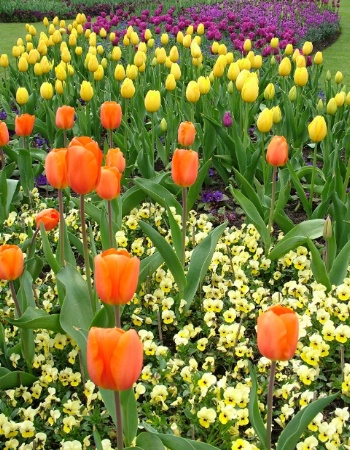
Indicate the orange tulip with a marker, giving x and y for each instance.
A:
(56, 168)
(111, 115)
(277, 333)
(11, 262)
(115, 158)
(114, 357)
(24, 124)
(65, 117)
(49, 217)
(116, 276)
(84, 159)
(184, 168)
(277, 151)
(109, 185)
(186, 134)
(4, 134)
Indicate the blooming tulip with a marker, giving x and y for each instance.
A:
(108, 186)
(56, 168)
(4, 134)
(65, 117)
(317, 129)
(110, 115)
(184, 169)
(116, 276)
(115, 158)
(152, 101)
(24, 124)
(277, 151)
(277, 333)
(49, 217)
(186, 133)
(84, 158)
(11, 262)
(114, 357)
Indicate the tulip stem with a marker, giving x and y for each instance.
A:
(269, 405)
(263, 161)
(30, 248)
(65, 142)
(346, 180)
(86, 253)
(313, 175)
(273, 195)
(117, 316)
(184, 221)
(110, 138)
(118, 413)
(15, 299)
(110, 223)
(61, 226)
(2, 158)
(342, 361)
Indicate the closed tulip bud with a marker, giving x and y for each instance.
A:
(119, 72)
(86, 91)
(11, 262)
(46, 90)
(307, 48)
(111, 115)
(204, 85)
(227, 119)
(174, 54)
(338, 77)
(192, 92)
(104, 63)
(187, 40)
(22, 64)
(60, 71)
(56, 37)
(301, 76)
(66, 56)
(274, 43)
(56, 168)
(134, 38)
(16, 51)
(163, 125)
(300, 61)
(277, 114)
(168, 62)
(230, 87)
(45, 21)
(4, 134)
(103, 33)
(179, 37)
(241, 78)
(150, 43)
(4, 61)
(247, 46)
(318, 58)
(222, 50)
(84, 158)
(197, 61)
(24, 125)
(233, 71)
(288, 50)
(265, 120)
(176, 71)
(327, 229)
(92, 63)
(195, 50)
(250, 89)
(277, 151)
(116, 276)
(139, 58)
(331, 106)
(108, 186)
(186, 134)
(340, 98)
(131, 71)
(114, 358)
(269, 91)
(285, 67)
(99, 73)
(127, 89)
(116, 53)
(164, 39)
(320, 105)
(184, 168)
(292, 94)
(347, 98)
(22, 96)
(152, 101)
(38, 71)
(218, 70)
(317, 129)
(277, 333)
(148, 34)
(328, 75)
(200, 29)
(59, 86)
(257, 62)
(49, 218)
(170, 82)
(115, 158)
(272, 60)
(229, 58)
(215, 47)
(79, 51)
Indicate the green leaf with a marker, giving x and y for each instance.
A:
(129, 415)
(168, 254)
(249, 192)
(339, 267)
(253, 407)
(253, 215)
(195, 189)
(105, 317)
(16, 379)
(300, 190)
(109, 401)
(68, 252)
(25, 170)
(97, 439)
(149, 265)
(50, 257)
(311, 229)
(149, 441)
(90, 210)
(318, 266)
(200, 261)
(284, 246)
(34, 266)
(290, 436)
(34, 319)
(158, 193)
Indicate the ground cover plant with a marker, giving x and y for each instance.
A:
(182, 240)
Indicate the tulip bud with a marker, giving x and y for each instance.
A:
(110, 115)
(22, 64)
(277, 151)
(99, 73)
(328, 75)
(340, 98)
(186, 134)
(277, 114)
(233, 71)
(317, 129)
(86, 91)
(227, 119)
(269, 91)
(59, 87)
(119, 72)
(163, 125)
(274, 43)
(265, 120)
(22, 96)
(331, 106)
(108, 186)
(115, 158)
(250, 89)
(170, 82)
(257, 62)
(56, 167)
(204, 85)
(301, 76)
(288, 50)
(318, 58)
(131, 71)
(327, 229)
(48, 217)
(241, 78)
(11, 262)
(184, 168)
(4, 61)
(46, 90)
(152, 101)
(192, 92)
(200, 29)
(307, 48)
(127, 89)
(247, 46)
(292, 94)
(338, 77)
(320, 105)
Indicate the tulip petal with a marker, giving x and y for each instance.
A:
(291, 324)
(103, 282)
(129, 279)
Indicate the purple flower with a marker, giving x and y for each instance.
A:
(227, 119)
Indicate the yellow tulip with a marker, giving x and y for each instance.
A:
(318, 58)
(320, 105)
(247, 46)
(187, 40)
(265, 120)
(99, 73)
(300, 61)
(170, 82)
(139, 58)
(45, 65)
(176, 71)
(148, 34)
(332, 106)
(86, 91)
(16, 51)
(66, 56)
(22, 96)
(164, 39)
(317, 129)
(116, 53)
(103, 33)
(142, 47)
(119, 72)
(160, 55)
(46, 90)
(134, 38)
(22, 64)
(42, 47)
(250, 89)
(277, 114)
(222, 50)
(218, 70)
(233, 71)
(269, 91)
(56, 37)
(92, 64)
(192, 92)
(179, 37)
(59, 86)
(307, 48)
(152, 101)
(150, 43)
(338, 77)
(126, 40)
(288, 50)
(45, 21)
(242, 76)
(301, 76)
(285, 67)
(132, 71)
(292, 94)
(78, 51)
(229, 58)
(274, 43)
(127, 89)
(257, 62)
(204, 85)
(200, 29)
(195, 50)
(60, 72)
(38, 71)
(230, 87)
(4, 60)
